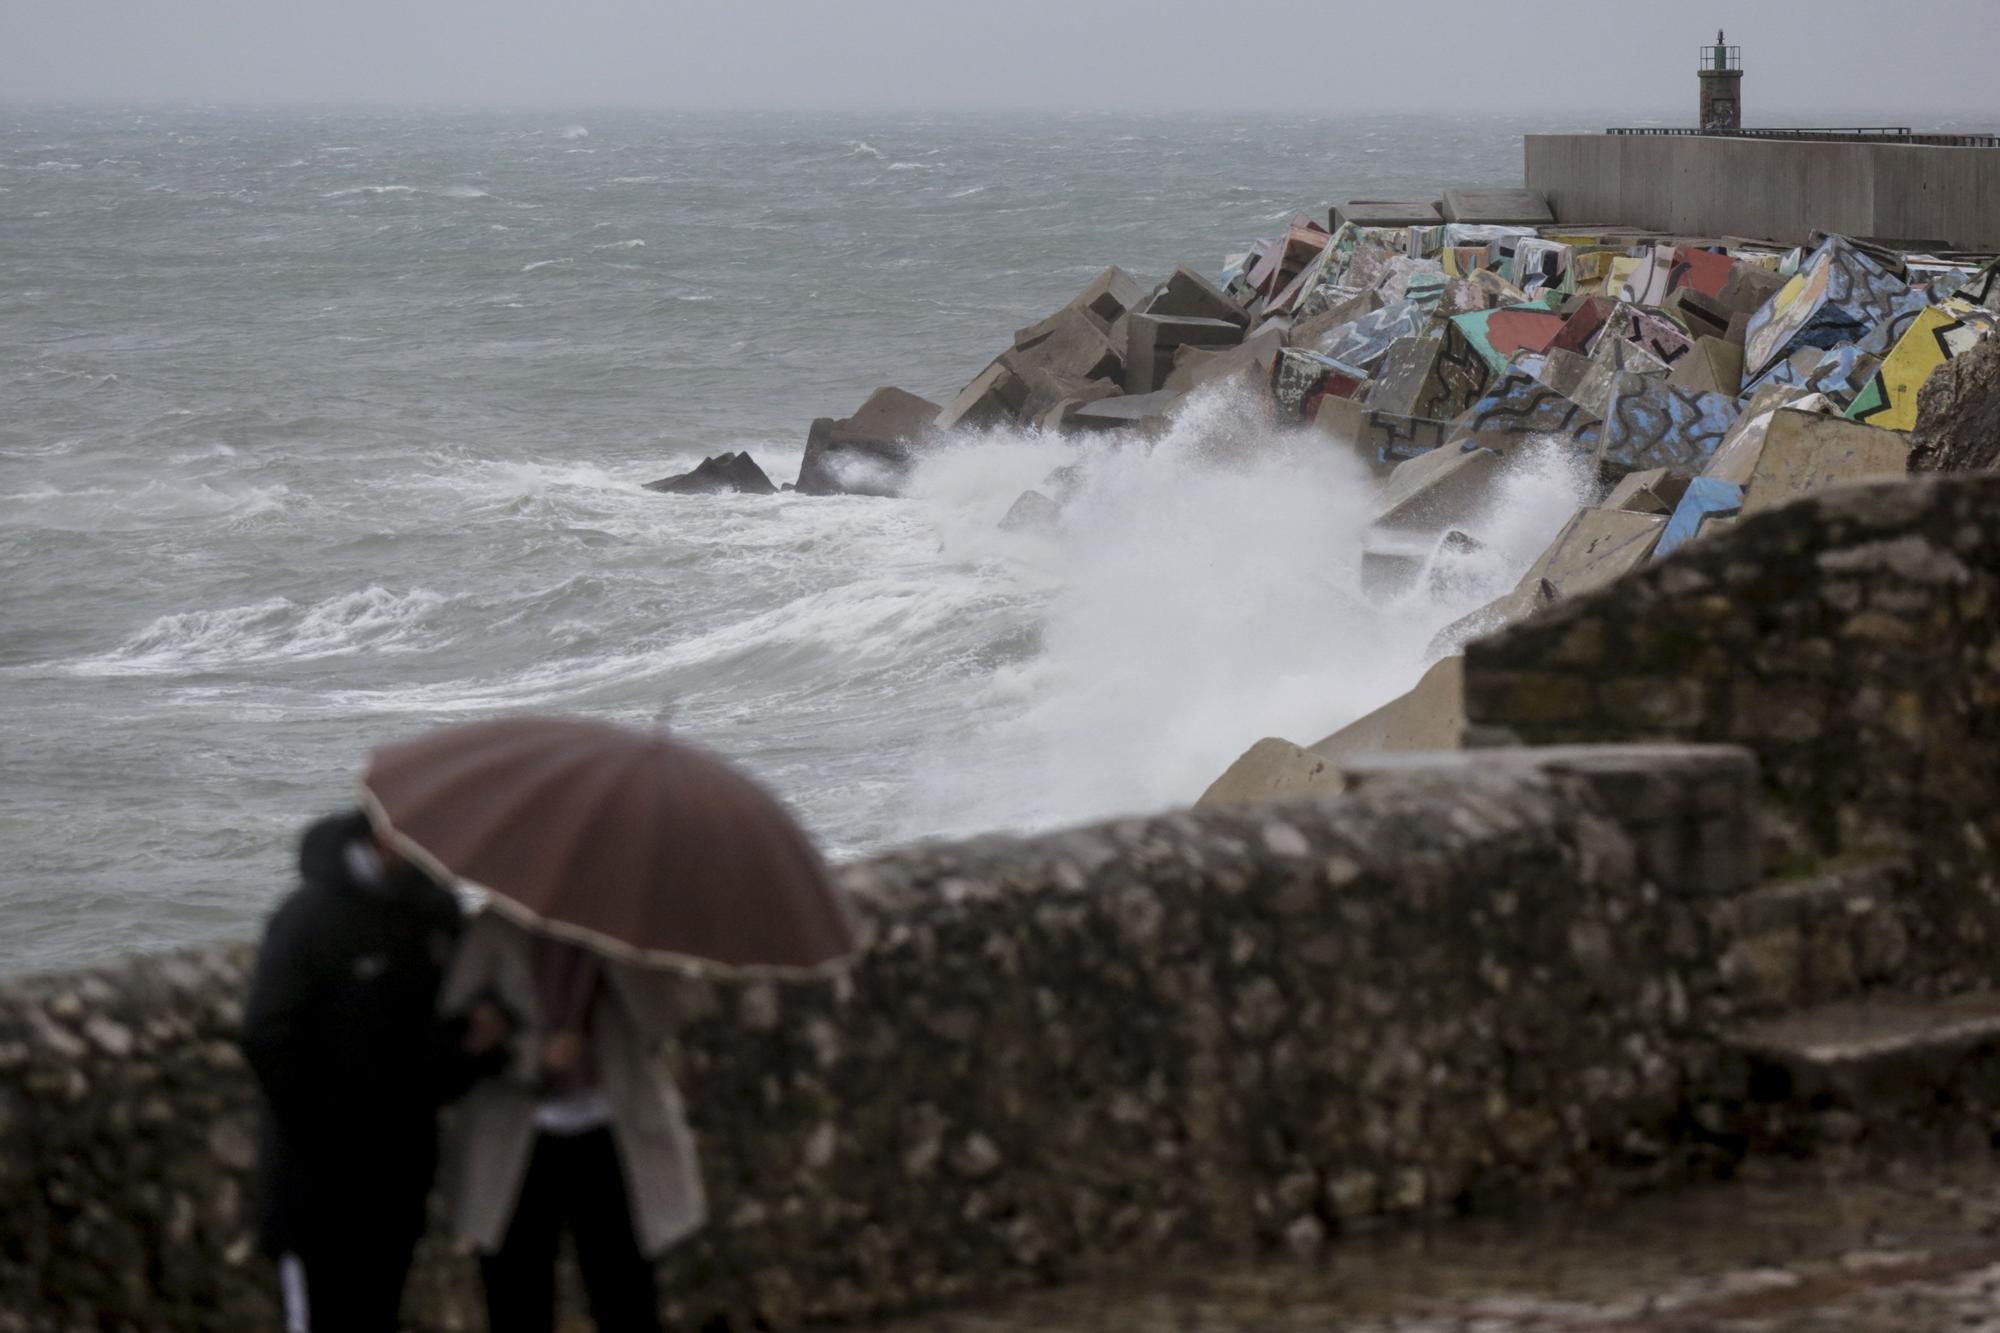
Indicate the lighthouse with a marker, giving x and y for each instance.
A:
(1721, 85)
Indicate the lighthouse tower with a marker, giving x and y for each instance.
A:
(1721, 85)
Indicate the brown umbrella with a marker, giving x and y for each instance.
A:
(649, 849)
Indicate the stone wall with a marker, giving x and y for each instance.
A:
(1848, 639)
(1194, 1033)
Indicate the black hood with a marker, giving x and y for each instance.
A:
(323, 849)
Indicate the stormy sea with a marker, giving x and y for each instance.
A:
(318, 428)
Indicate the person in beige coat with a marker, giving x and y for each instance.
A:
(584, 1131)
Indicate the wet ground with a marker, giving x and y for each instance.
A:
(1791, 1250)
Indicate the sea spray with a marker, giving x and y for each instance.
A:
(1199, 592)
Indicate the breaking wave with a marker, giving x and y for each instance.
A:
(1199, 593)
(369, 190)
(373, 619)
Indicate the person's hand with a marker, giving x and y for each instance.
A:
(486, 1027)
(562, 1052)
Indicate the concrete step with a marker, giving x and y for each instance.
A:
(1896, 1070)
(1831, 936)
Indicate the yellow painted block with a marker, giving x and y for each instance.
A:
(1622, 269)
(1889, 400)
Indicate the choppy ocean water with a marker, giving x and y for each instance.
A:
(317, 428)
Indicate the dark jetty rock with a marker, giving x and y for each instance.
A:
(723, 472)
(1958, 414)
(871, 452)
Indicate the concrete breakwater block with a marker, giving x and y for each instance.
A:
(1147, 412)
(1429, 716)
(1651, 423)
(723, 472)
(1270, 769)
(1381, 439)
(1385, 213)
(1444, 488)
(1109, 297)
(1186, 294)
(1597, 547)
(1706, 500)
(1655, 491)
(1714, 366)
(1151, 340)
(1506, 207)
(869, 453)
(1806, 452)
(1406, 368)
(1937, 334)
(1518, 404)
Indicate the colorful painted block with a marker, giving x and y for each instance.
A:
(1651, 281)
(1518, 403)
(1939, 333)
(1707, 271)
(1497, 334)
(1836, 297)
(1363, 343)
(1703, 497)
(1650, 423)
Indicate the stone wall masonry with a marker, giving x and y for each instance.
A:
(1197, 1033)
(1697, 186)
(1849, 639)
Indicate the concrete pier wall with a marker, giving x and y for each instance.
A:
(1775, 189)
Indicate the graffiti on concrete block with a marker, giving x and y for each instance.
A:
(1836, 297)
(1938, 334)
(1651, 423)
(1363, 343)
(1519, 404)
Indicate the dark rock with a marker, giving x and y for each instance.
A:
(1033, 512)
(723, 472)
(1958, 414)
(869, 453)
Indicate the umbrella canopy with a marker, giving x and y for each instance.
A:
(649, 849)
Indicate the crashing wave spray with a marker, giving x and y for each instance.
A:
(1199, 591)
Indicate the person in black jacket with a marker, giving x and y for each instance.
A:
(341, 1030)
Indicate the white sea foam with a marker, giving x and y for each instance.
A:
(634, 244)
(967, 193)
(463, 192)
(572, 132)
(913, 166)
(370, 190)
(372, 619)
(862, 148)
(547, 263)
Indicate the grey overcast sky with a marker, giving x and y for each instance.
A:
(1917, 57)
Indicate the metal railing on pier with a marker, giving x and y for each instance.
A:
(1859, 134)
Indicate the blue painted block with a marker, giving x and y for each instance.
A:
(1704, 496)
